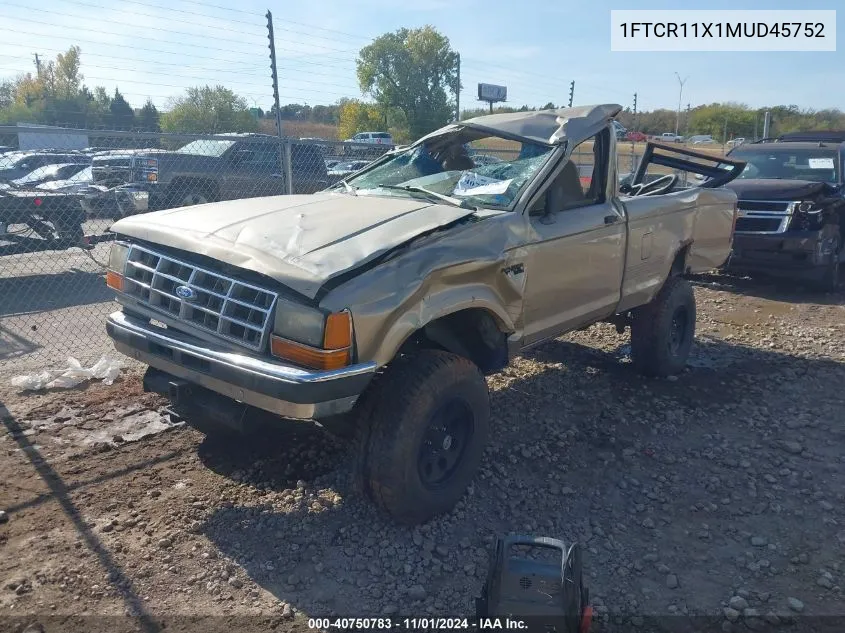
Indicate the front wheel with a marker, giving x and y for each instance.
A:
(663, 330)
(423, 427)
(831, 279)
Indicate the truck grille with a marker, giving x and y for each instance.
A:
(206, 300)
(764, 216)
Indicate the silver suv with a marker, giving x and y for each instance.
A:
(376, 138)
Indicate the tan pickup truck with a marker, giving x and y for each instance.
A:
(378, 306)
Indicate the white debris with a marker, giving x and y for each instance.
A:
(106, 369)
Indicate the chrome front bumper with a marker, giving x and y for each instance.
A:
(286, 390)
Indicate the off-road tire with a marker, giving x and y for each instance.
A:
(394, 421)
(657, 347)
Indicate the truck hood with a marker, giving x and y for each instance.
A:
(301, 241)
(773, 189)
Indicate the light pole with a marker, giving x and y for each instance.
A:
(680, 96)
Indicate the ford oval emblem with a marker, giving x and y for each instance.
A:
(186, 292)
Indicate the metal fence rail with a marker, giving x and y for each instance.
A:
(57, 206)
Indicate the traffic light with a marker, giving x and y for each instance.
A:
(571, 92)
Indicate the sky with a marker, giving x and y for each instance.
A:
(155, 49)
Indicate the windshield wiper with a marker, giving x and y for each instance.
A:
(439, 196)
(347, 187)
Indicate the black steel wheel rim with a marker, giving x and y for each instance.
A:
(445, 443)
(678, 329)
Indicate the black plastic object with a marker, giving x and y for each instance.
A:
(548, 596)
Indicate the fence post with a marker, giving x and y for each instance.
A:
(288, 168)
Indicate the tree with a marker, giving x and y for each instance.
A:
(122, 116)
(414, 70)
(67, 80)
(356, 116)
(208, 109)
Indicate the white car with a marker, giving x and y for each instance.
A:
(736, 141)
(374, 138)
(701, 139)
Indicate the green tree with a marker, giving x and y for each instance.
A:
(207, 109)
(122, 116)
(414, 70)
(148, 118)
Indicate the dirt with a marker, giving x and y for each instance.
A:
(719, 493)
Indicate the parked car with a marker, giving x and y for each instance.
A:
(345, 168)
(110, 168)
(734, 142)
(636, 137)
(671, 137)
(375, 138)
(19, 164)
(60, 171)
(701, 139)
(792, 208)
(377, 307)
(77, 183)
(226, 167)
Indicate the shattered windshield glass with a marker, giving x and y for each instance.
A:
(465, 166)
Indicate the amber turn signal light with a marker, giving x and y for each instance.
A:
(308, 356)
(114, 280)
(338, 334)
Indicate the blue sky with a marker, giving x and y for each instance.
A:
(153, 48)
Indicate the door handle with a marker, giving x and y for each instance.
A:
(611, 219)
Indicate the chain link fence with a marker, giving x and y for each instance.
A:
(57, 205)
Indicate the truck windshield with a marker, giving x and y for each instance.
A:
(206, 147)
(463, 164)
(816, 164)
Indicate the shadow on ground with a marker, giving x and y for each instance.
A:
(338, 559)
(45, 292)
(770, 287)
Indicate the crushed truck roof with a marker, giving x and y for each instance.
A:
(549, 127)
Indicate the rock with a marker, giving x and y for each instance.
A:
(417, 592)
(825, 582)
(759, 541)
(672, 581)
(791, 447)
(772, 618)
(731, 614)
(287, 611)
(390, 609)
(165, 543)
(236, 582)
(739, 603)
(827, 506)
(3, 516)
(648, 522)
(35, 627)
(795, 604)
(108, 527)
(750, 613)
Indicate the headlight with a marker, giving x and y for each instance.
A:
(299, 323)
(808, 207)
(311, 338)
(118, 255)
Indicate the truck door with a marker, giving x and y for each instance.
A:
(576, 248)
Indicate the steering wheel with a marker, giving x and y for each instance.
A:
(655, 187)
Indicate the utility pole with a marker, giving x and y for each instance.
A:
(571, 92)
(458, 92)
(37, 64)
(635, 112)
(767, 121)
(680, 94)
(686, 123)
(284, 148)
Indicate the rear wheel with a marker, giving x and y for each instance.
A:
(422, 431)
(662, 331)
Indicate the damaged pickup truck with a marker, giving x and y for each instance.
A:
(377, 307)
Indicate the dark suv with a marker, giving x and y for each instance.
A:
(791, 216)
(225, 167)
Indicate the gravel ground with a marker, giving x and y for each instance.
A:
(717, 493)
